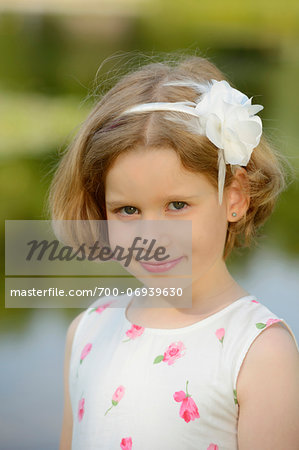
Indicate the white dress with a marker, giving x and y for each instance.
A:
(160, 389)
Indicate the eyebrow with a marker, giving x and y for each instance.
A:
(168, 199)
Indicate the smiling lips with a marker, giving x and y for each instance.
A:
(161, 267)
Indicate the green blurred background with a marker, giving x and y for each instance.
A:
(57, 58)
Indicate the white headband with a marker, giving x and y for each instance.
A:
(221, 113)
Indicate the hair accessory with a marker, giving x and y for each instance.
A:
(221, 113)
(234, 214)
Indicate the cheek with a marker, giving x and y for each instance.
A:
(208, 235)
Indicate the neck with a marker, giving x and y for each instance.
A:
(214, 289)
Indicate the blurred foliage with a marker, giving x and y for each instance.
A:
(32, 123)
(48, 85)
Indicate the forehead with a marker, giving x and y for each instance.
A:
(157, 168)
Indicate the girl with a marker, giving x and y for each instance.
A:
(177, 142)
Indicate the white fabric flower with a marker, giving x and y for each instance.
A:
(229, 120)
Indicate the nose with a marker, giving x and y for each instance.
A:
(152, 215)
(158, 229)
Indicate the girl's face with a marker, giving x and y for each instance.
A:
(151, 184)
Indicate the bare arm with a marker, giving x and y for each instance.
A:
(268, 392)
(67, 424)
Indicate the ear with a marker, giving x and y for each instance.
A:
(237, 196)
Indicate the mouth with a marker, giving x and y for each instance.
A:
(161, 267)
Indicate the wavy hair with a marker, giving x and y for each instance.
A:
(77, 191)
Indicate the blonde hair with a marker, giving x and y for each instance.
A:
(77, 191)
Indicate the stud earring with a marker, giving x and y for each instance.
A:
(234, 214)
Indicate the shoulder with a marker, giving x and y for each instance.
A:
(78, 322)
(84, 324)
(71, 331)
(249, 320)
(73, 327)
(259, 336)
(274, 348)
(268, 390)
(67, 423)
(70, 336)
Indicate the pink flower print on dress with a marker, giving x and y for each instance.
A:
(254, 301)
(134, 332)
(126, 443)
(220, 334)
(101, 308)
(118, 394)
(270, 321)
(85, 351)
(173, 352)
(81, 409)
(213, 447)
(188, 409)
(116, 397)
(261, 325)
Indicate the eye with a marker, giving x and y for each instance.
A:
(128, 210)
(178, 204)
(131, 210)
